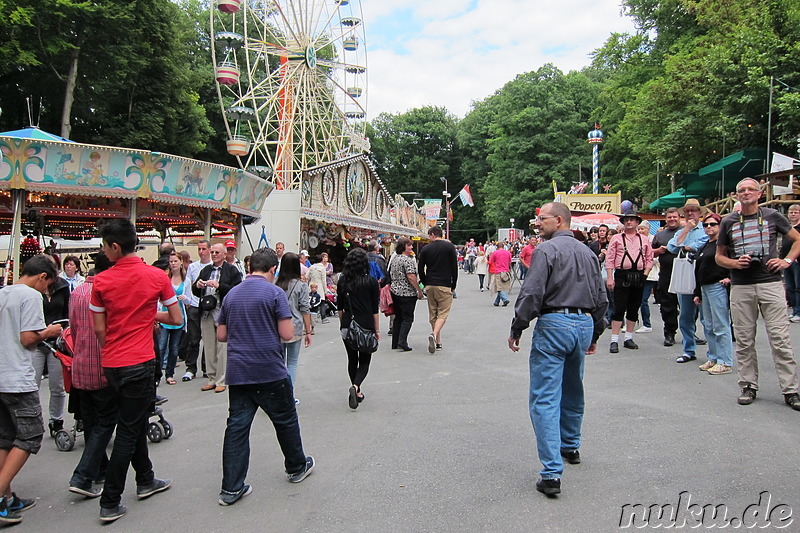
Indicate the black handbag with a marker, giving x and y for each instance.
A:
(358, 337)
(208, 302)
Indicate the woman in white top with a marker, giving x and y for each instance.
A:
(71, 272)
(481, 267)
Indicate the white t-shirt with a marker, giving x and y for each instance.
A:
(191, 276)
(20, 310)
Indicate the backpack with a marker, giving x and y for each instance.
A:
(375, 270)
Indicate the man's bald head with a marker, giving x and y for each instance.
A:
(560, 210)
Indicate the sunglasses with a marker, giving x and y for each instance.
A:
(215, 252)
(710, 224)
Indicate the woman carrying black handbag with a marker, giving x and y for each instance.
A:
(357, 295)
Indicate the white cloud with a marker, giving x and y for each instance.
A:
(452, 52)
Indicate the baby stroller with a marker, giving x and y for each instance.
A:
(330, 304)
(62, 349)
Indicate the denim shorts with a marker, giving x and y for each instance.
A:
(21, 424)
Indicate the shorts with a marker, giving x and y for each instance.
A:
(439, 301)
(21, 424)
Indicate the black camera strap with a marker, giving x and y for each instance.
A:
(760, 221)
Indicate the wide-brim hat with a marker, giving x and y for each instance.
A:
(692, 202)
(630, 213)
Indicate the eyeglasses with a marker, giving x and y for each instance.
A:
(539, 218)
(747, 189)
(215, 252)
(710, 224)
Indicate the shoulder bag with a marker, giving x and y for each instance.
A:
(682, 280)
(358, 337)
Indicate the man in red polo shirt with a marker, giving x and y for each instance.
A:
(123, 304)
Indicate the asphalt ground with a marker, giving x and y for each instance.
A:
(444, 442)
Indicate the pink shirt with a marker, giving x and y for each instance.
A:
(617, 259)
(525, 255)
(500, 261)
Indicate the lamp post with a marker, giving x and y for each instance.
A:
(446, 195)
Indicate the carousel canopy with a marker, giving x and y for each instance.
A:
(34, 133)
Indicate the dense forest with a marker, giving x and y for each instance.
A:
(692, 81)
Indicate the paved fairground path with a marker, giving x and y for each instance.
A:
(444, 443)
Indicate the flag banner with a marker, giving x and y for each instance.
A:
(432, 209)
(466, 196)
(783, 162)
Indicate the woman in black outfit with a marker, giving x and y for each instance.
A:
(357, 295)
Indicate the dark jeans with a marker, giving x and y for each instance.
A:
(168, 344)
(649, 287)
(403, 318)
(357, 365)
(193, 338)
(668, 303)
(133, 392)
(99, 413)
(791, 277)
(480, 279)
(276, 399)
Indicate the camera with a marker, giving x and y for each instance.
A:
(756, 261)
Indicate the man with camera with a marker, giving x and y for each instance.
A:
(688, 241)
(212, 284)
(747, 245)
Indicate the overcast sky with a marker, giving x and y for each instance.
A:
(453, 52)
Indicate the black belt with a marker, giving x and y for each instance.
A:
(565, 310)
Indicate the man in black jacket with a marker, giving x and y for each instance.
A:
(211, 287)
(438, 271)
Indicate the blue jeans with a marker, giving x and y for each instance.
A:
(169, 342)
(523, 271)
(556, 391)
(645, 308)
(686, 322)
(99, 414)
(276, 399)
(291, 355)
(716, 322)
(501, 297)
(791, 277)
(134, 394)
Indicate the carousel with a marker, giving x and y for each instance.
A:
(55, 190)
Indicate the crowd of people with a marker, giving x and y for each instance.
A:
(241, 324)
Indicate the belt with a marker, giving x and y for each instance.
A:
(565, 311)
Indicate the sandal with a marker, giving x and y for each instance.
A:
(171, 381)
(685, 358)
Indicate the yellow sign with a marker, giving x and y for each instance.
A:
(596, 203)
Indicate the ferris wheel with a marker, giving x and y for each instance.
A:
(291, 78)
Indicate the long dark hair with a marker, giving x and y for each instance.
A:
(355, 273)
(290, 269)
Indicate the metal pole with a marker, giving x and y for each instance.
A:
(208, 224)
(769, 124)
(18, 204)
(448, 218)
(658, 180)
(132, 210)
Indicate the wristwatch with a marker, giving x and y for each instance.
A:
(788, 261)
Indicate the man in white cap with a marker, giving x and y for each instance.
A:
(689, 240)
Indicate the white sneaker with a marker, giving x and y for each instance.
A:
(188, 376)
(644, 329)
(794, 318)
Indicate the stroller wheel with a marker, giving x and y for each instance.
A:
(167, 427)
(154, 432)
(64, 440)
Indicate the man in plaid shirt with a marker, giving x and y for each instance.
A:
(97, 410)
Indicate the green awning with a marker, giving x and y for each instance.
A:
(675, 199)
(746, 163)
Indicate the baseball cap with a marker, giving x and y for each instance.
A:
(230, 244)
(304, 252)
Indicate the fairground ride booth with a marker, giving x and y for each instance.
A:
(338, 205)
(63, 190)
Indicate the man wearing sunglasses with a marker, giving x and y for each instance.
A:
(747, 245)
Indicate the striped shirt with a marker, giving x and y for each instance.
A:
(87, 372)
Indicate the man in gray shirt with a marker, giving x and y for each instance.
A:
(567, 295)
(22, 328)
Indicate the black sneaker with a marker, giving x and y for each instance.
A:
(55, 426)
(161, 400)
(747, 396)
(700, 342)
(301, 475)
(630, 344)
(549, 487)
(109, 514)
(614, 348)
(352, 399)
(7, 516)
(158, 485)
(229, 498)
(17, 504)
(792, 400)
(85, 490)
(669, 339)
(573, 457)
